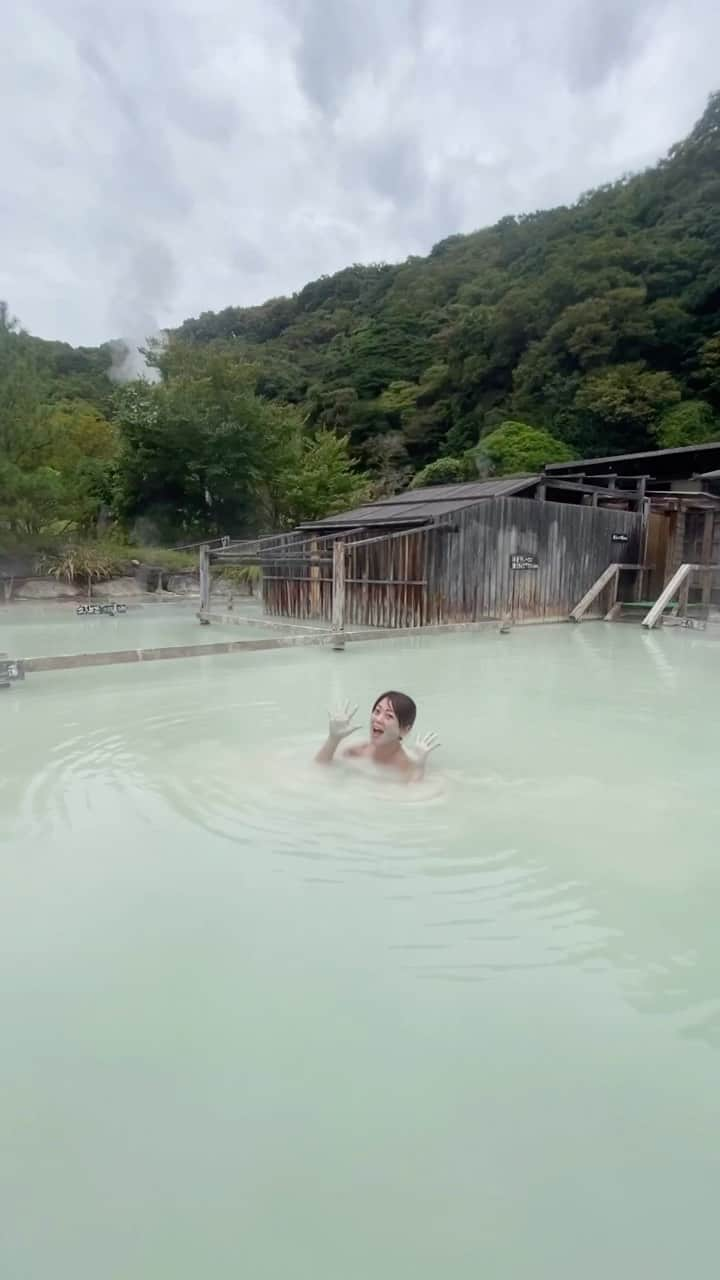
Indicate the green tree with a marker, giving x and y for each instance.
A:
(387, 458)
(709, 370)
(399, 397)
(445, 471)
(691, 422)
(320, 479)
(23, 391)
(625, 403)
(55, 456)
(74, 432)
(516, 447)
(82, 447)
(31, 501)
(201, 450)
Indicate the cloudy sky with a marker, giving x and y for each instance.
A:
(165, 157)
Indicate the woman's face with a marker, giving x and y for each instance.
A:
(384, 723)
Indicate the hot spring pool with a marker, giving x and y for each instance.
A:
(47, 630)
(268, 1021)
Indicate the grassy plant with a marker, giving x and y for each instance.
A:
(178, 561)
(249, 575)
(84, 563)
(96, 560)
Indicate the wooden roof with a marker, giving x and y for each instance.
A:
(423, 506)
(655, 463)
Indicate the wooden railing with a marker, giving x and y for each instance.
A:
(608, 579)
(680, 582)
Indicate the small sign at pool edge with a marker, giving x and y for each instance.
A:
(621, 537)
(520, 561)
(10, 669)
(111, 609)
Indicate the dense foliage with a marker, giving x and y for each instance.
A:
(592, 321)
(198, 451)
(587, 329)
(515, 447)
(56, 444)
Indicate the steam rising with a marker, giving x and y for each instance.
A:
(144, 291)
(128, 360)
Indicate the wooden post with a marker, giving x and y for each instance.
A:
(314, 580)
(644, 510)
(599, 585)
(613, 596)
(204, 582)
(683, 598)
(338, 602)
(666, 595)
(706, 557)
(678, 543)
(541, 492)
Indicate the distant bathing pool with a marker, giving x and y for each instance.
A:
(54, 636)
(69, 635)
(37, 630)
(268, 1019)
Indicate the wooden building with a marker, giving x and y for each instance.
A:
(682, 487)
(598, 537)
(492, 549)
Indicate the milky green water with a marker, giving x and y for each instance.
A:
(268, 1021)
(46, 630)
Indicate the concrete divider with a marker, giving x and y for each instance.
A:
(67, 661)
(123, 657)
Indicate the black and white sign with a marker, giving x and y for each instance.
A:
(520, 561)
(621, 537)
(10, 669)
(111, 609)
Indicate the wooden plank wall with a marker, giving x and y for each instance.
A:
(296, 588)
(384, 582)
(696, 551)
(715, 556)
(469, 574)
(459, 570)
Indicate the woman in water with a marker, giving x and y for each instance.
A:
(393, 716)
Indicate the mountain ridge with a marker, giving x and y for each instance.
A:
(590, 319)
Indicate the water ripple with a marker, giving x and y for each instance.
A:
(451, 873)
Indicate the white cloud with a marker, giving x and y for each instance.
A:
(161, 159)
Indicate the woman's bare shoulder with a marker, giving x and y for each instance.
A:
(403, 763)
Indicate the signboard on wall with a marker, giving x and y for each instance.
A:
(621, 537)
(518, 560)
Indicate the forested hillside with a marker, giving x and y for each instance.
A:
(593, 321)
(598, 323)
